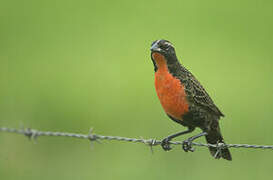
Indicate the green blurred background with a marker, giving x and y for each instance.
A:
(71, 65)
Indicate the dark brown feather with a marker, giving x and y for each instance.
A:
(195, 91)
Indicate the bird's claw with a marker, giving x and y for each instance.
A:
(165, 144)
(187, 146)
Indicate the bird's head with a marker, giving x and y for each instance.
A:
(162, 50)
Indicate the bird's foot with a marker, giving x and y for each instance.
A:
(165, 144)
(187, 145)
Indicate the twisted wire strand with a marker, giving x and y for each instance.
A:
(33, 134)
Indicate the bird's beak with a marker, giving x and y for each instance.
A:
(155, 47)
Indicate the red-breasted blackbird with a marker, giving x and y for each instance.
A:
(185, 100)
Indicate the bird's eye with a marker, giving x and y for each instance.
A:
(164, 46)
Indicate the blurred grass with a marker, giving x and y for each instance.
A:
(67, 65)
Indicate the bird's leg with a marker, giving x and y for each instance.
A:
(165, 143)
(187, 144)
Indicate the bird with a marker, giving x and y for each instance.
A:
(185, 101)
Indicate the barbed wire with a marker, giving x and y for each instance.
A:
(34, 134)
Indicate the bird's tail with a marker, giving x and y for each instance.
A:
(214, 136)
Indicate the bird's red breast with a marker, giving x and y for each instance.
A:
(169, 89)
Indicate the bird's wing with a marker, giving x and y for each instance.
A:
(198, 95)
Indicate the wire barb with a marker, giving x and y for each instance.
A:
(151, 143)
(34, 134)
(219, 147)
